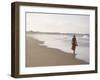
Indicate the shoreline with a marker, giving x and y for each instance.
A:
(38, 55)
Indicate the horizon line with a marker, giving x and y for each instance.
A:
(55, 32)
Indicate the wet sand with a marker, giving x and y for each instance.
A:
(37, 55)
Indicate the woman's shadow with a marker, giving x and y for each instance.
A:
(74, 55)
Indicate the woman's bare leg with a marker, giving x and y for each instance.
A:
(73, 51)
(73, 54)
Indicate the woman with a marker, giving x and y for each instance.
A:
(74, 44)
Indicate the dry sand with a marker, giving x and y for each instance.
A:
(37, 55)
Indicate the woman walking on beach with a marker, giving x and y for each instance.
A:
(74, 44)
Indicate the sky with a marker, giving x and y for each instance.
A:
(63, 23)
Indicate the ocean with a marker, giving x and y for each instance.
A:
(63, 43)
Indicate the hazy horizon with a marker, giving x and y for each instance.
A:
(55, 32)
(58, 23)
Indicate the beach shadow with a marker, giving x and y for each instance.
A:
(74, 55)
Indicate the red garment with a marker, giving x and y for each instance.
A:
(74, 43)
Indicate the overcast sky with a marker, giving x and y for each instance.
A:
(57, 23)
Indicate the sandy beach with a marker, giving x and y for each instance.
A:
(38, 55)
